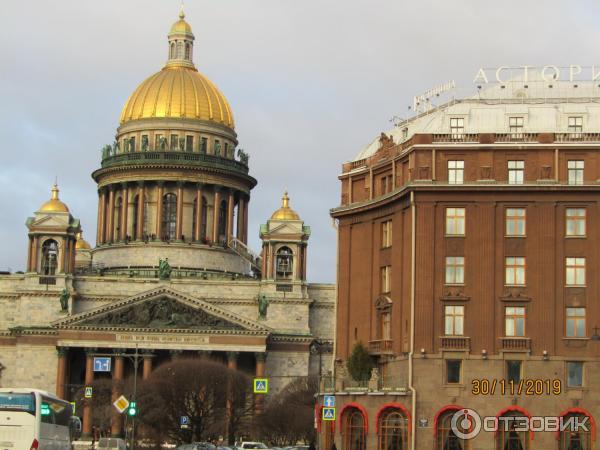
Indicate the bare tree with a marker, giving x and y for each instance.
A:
(216, 399)
(290, 414)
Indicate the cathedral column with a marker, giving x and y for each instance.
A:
(140, 212)
(110, 223)
(198, 212)
(61, 372)
(60, 260)
(124, 211)
(179, 222)
(30, 254)
(116, 422)
(304, 250)
(216, 209)
(240, 218)
(34, 255)
(87, 405)
(245, 236)
(147, 365)
(100, 234)
(159, 203)
(229, 216)
(259, 373)
(231, 365)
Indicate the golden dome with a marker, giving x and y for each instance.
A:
(81, 243)
(178, 92)
(285, 212)
(181, 26)
(54, 204)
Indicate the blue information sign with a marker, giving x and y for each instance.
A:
(329, 401)
(102, 364)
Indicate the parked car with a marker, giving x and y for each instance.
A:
(252, 445)
(111, 444)
(197, 446)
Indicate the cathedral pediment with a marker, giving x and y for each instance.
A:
(50, 221)
(161, 309)
(286, 228)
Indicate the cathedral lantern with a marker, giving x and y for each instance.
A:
(285, 238)
(52, 238)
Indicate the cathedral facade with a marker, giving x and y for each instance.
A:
(171, 273)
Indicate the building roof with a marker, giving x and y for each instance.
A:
(285, 212)
(54, 204)
(544, 106)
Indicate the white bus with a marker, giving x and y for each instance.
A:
(31, 419)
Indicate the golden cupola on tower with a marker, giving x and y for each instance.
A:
(54, 204)
(285, 212)
(174, 184)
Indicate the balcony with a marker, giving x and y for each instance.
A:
(515, 344)
(455, 343)
(381, 347)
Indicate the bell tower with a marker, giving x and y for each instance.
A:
(52, 238)
(285, 239)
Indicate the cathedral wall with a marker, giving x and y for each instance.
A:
(322, 312)
(33, 366)
(283, 367)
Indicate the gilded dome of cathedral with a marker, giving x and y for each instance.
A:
(54, 204)
(178, 90)
(285, 212)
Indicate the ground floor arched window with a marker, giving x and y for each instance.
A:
(393, 430)
(507, 436)
(574, 436)
(446, 438)
(354, 429)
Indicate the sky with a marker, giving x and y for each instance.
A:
(310, 83)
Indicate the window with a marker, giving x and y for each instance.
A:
(49, 257)
(507, 437)
(284, 264)
(455, 270)
(203, 219)
(393, 430)
(515, 221)
(117, 218)
(169, 217)
(144, 142)
(456, 172)
(515, 125)
(453, 371)
(575, 126)
(217, 149)
(455, 221)
(446, 438)
(575, 172)
(386, 274)
(404, 134)
(187, 51)
(574, 374)
(134, 228)
(174, 142)
(515, 271)
(385, 325)
(189, 143)
(226, 152)
(386, 234)
(513, 371)
(576, 221)
(457, 127)
(576, 322)
(223, 222)
(454, 318)
(516, 172)
(353, 430)
(387, 184)
(514, 318)
(575, 271)
(580, 439)
(203, 145)
(160, 143)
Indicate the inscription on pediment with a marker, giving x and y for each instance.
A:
(161, 313)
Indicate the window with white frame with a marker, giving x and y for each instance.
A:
(516, 172)
(514, 321)
(575, 171)
(457, 127)
(454, 318)
(575, 222)
(455, 221)
(386, 279)
(386, 234)
(575, 271)
(575, 126)
(515, 125)
(515, 271)
(456, 172)
(455, 270)
(575, 326)
(515, 221)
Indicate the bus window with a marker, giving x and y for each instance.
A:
(17, 402)
(54, 412)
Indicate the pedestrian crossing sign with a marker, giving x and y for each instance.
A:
(261, 386)
(328, 413)
(88, 392)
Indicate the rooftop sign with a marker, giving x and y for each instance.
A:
(504, 74)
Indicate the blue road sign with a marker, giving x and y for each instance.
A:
(102, 364)
(329, 401)
(328, 413)
(185, 420)
(261, 386)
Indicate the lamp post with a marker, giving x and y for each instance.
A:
(319, 346)
(135, 360)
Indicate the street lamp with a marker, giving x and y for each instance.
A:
(135, 360)
(319, 346)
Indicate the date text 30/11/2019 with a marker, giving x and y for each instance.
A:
(510, 387)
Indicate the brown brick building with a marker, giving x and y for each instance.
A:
(468, 261)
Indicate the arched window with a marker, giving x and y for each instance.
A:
(49, 257)
(117, 216)
(223, 222)
(576, 438)
(393, 430)
(203, 218)
(169, 216)
(187, 51)
(284, 263)
(353, 430)
(446, 438)
(507, 437)
(179, 50)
